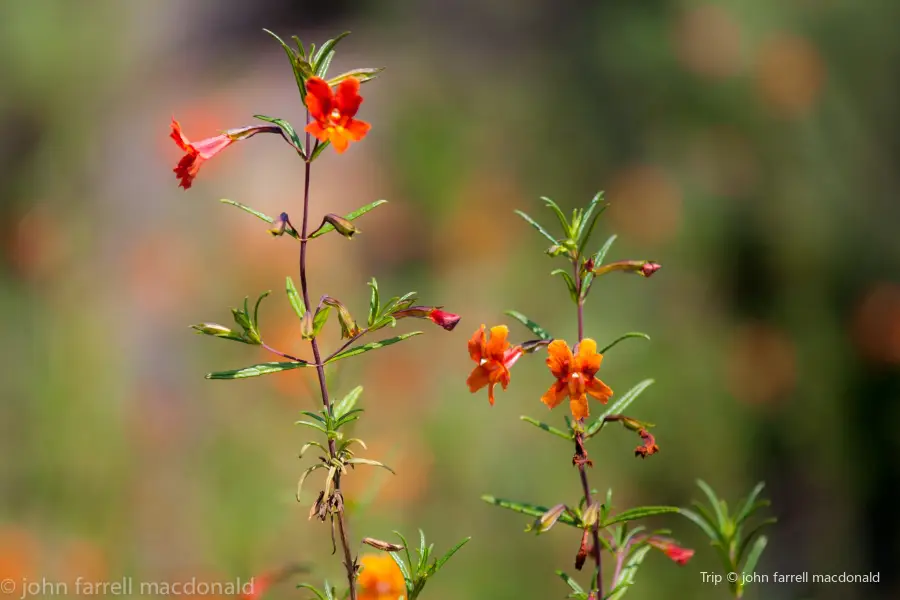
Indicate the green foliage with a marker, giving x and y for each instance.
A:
(256, 370)
(294, 297)
(531, 325)
(417, 573)
(631, 334)
(249, 324)
(370, 346)
(639, 512)
(617, 407)
(287, 131)
(738, 544)
(259, 215)
(327, 227)
(544, 427)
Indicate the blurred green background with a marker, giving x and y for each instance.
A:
(750, 146)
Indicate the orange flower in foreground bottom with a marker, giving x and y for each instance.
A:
(380, 579)
(575, 376)
(334, 112)
(494, 358)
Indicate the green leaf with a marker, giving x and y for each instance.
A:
(296, 63)
(754, 554)
(313, 589)
(531, 325)
(752, 534)
(317, 150)
(592, 206)
(630, 334)
(535, 224)
(374, 305)
(528, 509)
(311, 425)
(639, 513)
(371, 346)
(259, 215)
(300, 50)
(304, 475)
(449, 554)
(570, 283)
(618, 406)
(572, 584)
(320, 318)
(350, 217)
(567, 229)
(626, 575)
(598, 260)
(363, 75)
(323, 57)
(348, 402)
(366, 461)
(701, 522)
(256, 310)
(403, 569)
(294, 297)
(257, 370)
(566, 436)
(750, 506)
(289, 133)
(714, 502)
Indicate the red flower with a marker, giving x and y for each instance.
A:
(494, 358)
(334, 112)
(445, 319)
(199, 152)
(672, 550)
(648, 447)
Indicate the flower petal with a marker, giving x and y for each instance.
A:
(338, 139)
(555, 394)
(316, 129)
(476, 345)
(559, 358)
(319, 98)
(211, 146)
(579, 407)
(347, 98)
(178, 136)
(598, 389)
(588, 359)
(497, 345)
(478, 378)
(357, 130)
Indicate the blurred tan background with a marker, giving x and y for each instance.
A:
(748, 146)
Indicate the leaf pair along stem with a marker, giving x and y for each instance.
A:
(349, 561)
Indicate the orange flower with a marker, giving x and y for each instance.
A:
(200, 152)
(494, 358)
(380, 578)
(575, 376)
(333, 113)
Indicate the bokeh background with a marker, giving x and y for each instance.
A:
(750, 146)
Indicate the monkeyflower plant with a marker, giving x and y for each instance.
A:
(573, 375)
(332, 105)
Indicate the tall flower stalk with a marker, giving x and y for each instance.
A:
(331, 107)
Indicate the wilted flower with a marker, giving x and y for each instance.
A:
(575, 376)
(494, 358)
(648, 447)
(199, 152)
(380, 578)
(333, 112)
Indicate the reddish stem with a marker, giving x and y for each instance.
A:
(349, 563)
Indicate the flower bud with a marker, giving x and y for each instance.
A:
(548, 519)
(591, 514)
(340, 224)
(212, 329)
(279, 225)
(306, 326)
(382, 545)
(644, 268)
(434, 313)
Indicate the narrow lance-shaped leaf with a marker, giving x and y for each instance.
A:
(618, 406)
(626, 575)
(322, 59)
(754, 554)
(535, 224)
(531, 325)
(714, 501)
(749, 505)
(700, 522)
(448, 555)
(294, 297)
(298, 64)
(590, 229)
(290, 135)
(371, 346)
(576, 588)
(528, 509)
(259, 215)
(257, 370)
(350, 217)
(564, 223)
(363, 75)
(374, 303)
(570, 283)
(639, 513)
(348, 402)
(557, 432)
(630, 334)
(597, 259)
